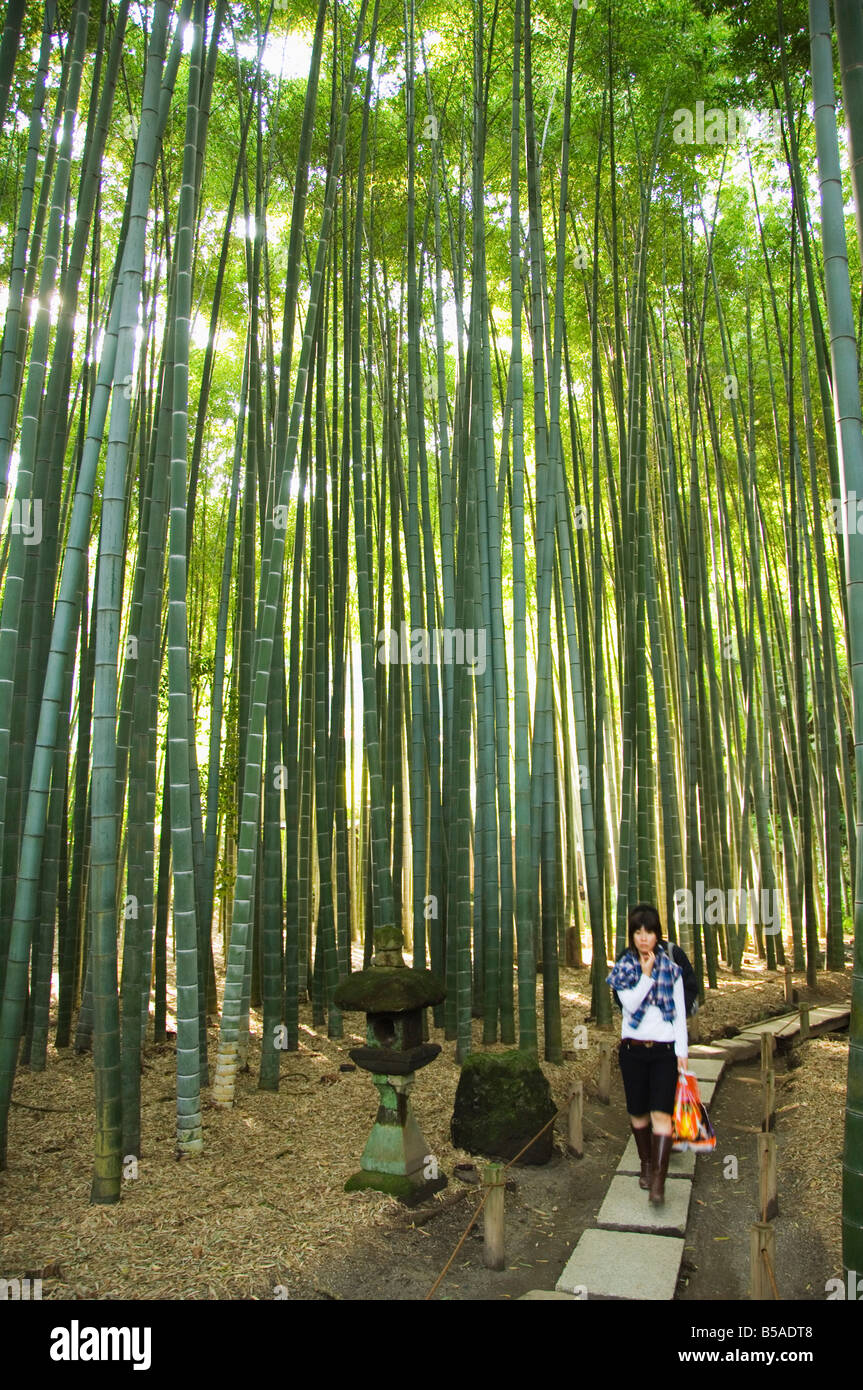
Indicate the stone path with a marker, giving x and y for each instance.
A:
(634, 1251)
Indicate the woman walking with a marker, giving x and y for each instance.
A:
(649, 985)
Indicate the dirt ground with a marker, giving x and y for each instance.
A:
(810, 1101)
(262, 1213)
(545, 1214)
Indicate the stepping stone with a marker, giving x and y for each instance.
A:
(626, 1207)
(792, 1027)
(707, 1068)
(623, 1264)
(536, 1294)
(706, 1090)
(826, 1018)
(731, 1050)
(771, 1025)
(754, 1040)
(679, 1165)
(741, 1049)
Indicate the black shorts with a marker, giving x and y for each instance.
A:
(649, 1076)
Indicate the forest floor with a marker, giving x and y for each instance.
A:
(262, 1213)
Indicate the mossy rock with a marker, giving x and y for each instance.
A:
(503, 1099)
(388, 989)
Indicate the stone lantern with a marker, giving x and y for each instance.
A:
(396, 1158)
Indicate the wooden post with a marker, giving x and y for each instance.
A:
(768, 1097)
(762, 1244)
(804, 1020)
(493, 1216)
(767, 1197)
(768, 1084)
(575, 1127)
(789, 985)
(604, 1093)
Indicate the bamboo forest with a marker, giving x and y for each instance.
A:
(431, 525)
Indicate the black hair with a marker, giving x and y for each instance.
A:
(644, 915)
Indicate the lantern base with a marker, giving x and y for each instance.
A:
(408, 1189)
(396, 1159)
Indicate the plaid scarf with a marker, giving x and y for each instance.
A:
(627, 973)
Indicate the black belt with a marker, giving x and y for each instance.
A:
(643, 1042)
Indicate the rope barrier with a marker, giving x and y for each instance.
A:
(472, 1221)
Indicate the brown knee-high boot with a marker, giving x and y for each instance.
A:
(642, 1143)
(660, 1154)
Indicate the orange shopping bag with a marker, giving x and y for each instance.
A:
(690, 1122)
